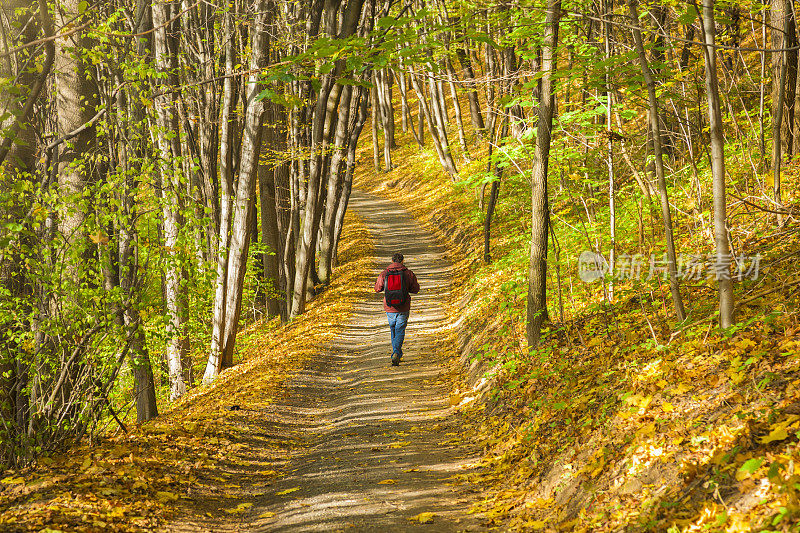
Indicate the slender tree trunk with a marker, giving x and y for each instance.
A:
(335, 186)
(495, 191)
(229, 97)
(723, 257)
(677, 300)
(537, 269)
(784, 72)
(355, 132)
(421, 117)
(272, 176)
(451, 78)
(376, 150)
(169, 154)
(243, 204)
(472, 94)
(405, 114)
(439, 144)
(270, 262)
(387, 118)
(782, 101)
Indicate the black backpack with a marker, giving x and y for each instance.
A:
(395, 289)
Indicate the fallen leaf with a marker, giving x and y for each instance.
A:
(749, 466)
(242, 507)
(775, 435)
(423, 518)
(267, 514)
(387, 482)
(165, 497)
(287, 491)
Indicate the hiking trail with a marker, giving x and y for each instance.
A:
(372, 446)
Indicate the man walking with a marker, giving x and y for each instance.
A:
(397, 282)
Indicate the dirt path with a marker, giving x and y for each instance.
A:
(353, 444)
(376, 437)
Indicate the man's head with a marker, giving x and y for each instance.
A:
(397, 258)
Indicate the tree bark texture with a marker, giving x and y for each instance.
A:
(723, 258)
(537, 267)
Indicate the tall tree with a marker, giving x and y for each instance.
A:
(540, 210)
(655, 126)
(242, 208)
(722, 265)
(169, 147)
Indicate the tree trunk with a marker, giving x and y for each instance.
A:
(360, 119)
(335, 186)
(537, 268)
(472, 94)
(723, 258)
(495, 191)
(677, 300)
(451, 79)
(229, 97)
(272, 176)
(784, 71)
(376, 150)
(241, 211)
(405, 114)
(444, 154)
(169, 154)
(612, 210)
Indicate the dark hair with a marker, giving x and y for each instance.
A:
(397, 258)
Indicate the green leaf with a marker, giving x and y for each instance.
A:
(688, 17)
(751, 465)
(386, 22)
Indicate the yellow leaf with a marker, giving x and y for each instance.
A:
(387, 482)
(242, 507)
(680, 389)
(165, 497)
(423, 518)
(99, 238)
(774, 435)
(287, 491)
(268, 514)
(11, 480)
(667, 407)
(646, 431)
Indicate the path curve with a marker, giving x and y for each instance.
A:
(364, 422)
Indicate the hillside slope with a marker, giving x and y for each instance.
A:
(621, 420)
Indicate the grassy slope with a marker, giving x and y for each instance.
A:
(616, 423)
(195, 452)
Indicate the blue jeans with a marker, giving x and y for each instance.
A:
(397, 328)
